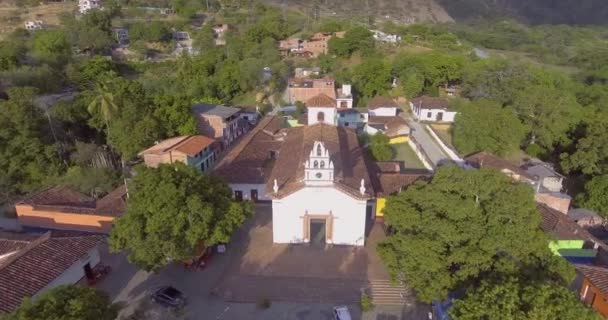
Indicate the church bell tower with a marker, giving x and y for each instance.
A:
(319, 169)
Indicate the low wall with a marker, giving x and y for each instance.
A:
(419, 151)
(449, 151)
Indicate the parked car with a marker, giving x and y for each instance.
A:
(342, 313)
(169, 297)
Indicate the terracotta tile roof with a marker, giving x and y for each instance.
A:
(560, 227)
(11, 242)
(321, 101)
(392, 125)
(390, 177)
(64, 200)
(188, 145)
(485, 159)
(249, 160)
(381, 102)
(344, 150)
(60, 196)
(597, 275)
(431, 103)
(36, 265)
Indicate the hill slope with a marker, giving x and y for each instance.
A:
(404, 11)
(531, 11)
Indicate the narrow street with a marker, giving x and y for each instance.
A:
(434, 152)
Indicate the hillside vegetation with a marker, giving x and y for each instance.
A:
(530, 11)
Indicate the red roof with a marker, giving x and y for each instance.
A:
(32, 268)
(597, 275)
(381, 102)
(426, 102)
(188, 145)
(321, 101)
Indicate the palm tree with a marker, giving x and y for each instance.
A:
(104, 104)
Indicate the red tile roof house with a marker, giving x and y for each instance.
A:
(60, 208)
(427, 108)
(196, 151)
(556, 200)
(33, 264)
(220, 122)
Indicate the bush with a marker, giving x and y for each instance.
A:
(380, 148)
(366, 302)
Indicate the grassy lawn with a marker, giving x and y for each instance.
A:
(404, 153)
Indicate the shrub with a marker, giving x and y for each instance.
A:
(366, 302)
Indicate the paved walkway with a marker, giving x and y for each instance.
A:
(434, 152)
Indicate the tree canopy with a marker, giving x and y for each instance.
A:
(69, 302)
(380, 148)
(595, 196)
(484, 125)
(173, 210)
(460, 226)
(516, 299)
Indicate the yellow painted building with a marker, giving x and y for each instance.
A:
(399, 139)
(380, 204)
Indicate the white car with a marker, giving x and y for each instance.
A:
(341, 313)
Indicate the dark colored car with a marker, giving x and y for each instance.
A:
(169, 297)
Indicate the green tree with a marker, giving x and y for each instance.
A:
(484, 125)
(95, 182)
(413, 83)
(154, 31)
(516, 299)
(172, 210)
(103, 103)
(594, 197)
(68, 302)
(51, 46)
(204, 39)
(380, 148)
(372, 77)
(12, 52)
(590, 151)
(87, 72)
(93, 31)
(463, 225)
(175, 115)
(28, 158)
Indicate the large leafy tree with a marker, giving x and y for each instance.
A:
(590, 152)
(484, 125)
(372, 77)
(28, 158)
(173, 210)
(516, 299)
(51, 47)
(175, 115)
(462, 225)
(595, 196)
(67, 303)
(380, 148)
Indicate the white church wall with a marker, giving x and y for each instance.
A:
(349, 215)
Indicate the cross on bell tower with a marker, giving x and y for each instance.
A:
(319, 169)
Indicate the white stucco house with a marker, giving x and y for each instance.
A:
(431, 109)
(32, 264)
(320, 188)
(86, 5)
(382, 107)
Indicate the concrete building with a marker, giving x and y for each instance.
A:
(32, 264)
(307, 72)
(195, 151)
(85, 5)
(303, 89)
(431, 109)
(385, 37)
(60, 208)
(247, 165)
(220, 122)
(34, 25)
(382, 106)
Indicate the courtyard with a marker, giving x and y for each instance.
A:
(297, 282)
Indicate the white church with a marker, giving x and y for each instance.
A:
(320, 186)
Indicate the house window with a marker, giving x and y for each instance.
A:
(346, 124)
(320, 116)
(429, 114)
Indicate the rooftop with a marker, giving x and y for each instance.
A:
(597, 275)
(350, 165)
(321, 101)
(560, 227)
(249, 161)
(485, 159)
(427, 102)
(65, 200)
(37, 262)
(188, 145)
(214, 110)
(381, 102)
(391, 125)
